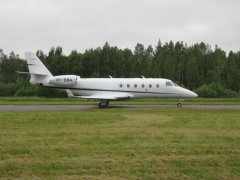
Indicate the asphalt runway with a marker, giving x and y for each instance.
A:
(88, 107)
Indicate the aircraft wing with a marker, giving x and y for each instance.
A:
(109, 96)
(70, 94)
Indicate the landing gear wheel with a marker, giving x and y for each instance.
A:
(103, 104)
(179, 105)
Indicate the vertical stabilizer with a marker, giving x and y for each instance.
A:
(38, 72)
(35, 66)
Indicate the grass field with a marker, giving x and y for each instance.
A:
(120, 143)
(75, 101)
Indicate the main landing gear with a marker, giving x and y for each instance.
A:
(103, 104)
(179, 104)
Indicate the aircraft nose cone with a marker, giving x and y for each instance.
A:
(187, 93)
(191, 94)
(194, 95)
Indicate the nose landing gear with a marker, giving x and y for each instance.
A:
(179, 104)
(103, 104)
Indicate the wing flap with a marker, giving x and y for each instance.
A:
(108, 96)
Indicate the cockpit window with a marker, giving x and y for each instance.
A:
(174, 84)
(168, 83)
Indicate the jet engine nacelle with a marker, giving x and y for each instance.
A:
(64, 80)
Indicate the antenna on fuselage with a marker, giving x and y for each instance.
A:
(110, 76)
(143, 77)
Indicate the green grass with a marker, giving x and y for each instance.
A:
(120, 143)
(75, 101)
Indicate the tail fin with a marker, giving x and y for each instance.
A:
(39, 73)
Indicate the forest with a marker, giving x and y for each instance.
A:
(209, 72)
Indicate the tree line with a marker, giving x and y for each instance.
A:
(209, 72)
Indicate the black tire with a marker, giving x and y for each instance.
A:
(179, 105)
(103, 105)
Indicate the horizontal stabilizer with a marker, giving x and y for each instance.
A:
(21, 72)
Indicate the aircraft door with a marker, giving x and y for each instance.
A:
(144, 88)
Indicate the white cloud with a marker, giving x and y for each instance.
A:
(82, 24)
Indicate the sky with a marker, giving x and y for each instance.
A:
(29, 25)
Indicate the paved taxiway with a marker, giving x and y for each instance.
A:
(84, 107)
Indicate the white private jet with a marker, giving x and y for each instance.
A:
(105, 89)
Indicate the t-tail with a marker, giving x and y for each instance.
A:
(41, 75)
(38, 72)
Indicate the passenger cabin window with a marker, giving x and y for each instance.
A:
(157, 85)
(135, 85)
(128, 85)
(143, 85)
(120, 85)
(168, 83)
(150, 85)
